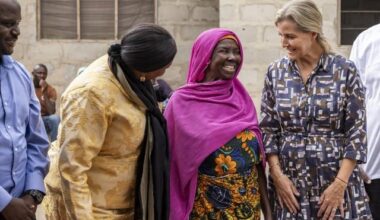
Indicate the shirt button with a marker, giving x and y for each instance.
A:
(6, 103)
(8, 126)
(14, 172)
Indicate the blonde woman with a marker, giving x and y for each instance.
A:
(313, 122)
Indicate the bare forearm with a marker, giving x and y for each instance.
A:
(346, 169)
(274, 165)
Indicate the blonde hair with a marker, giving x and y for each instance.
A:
(307, 18)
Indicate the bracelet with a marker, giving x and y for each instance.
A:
(341, 180)
(281, 174)
(273, 165)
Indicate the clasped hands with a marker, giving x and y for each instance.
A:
(22, 208)
(331, 199)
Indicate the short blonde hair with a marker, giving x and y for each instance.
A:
(307, 17)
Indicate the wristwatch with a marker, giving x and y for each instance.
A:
(36, 195)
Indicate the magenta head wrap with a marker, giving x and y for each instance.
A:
(202, 117)
(202, 51)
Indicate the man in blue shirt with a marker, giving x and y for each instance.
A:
(23, 140)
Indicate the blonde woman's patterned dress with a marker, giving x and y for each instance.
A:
(228, 181)
(312, 126)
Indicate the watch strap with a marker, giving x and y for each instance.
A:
(37, 195)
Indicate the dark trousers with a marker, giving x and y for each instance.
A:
(1, 217)
(373, 191)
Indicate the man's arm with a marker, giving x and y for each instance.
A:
(5, 198)
(49, 96)
(37, 146)
(357, 57)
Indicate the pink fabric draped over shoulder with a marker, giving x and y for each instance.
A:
(201, 117)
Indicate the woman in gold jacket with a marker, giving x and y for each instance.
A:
(110, 158)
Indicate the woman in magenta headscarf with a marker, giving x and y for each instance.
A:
(216, 154)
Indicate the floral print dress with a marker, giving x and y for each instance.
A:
(228, 181)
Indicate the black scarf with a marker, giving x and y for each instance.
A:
(159, 157)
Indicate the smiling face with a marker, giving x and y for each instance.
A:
(10, 16)
(297, 43)
(225, 61)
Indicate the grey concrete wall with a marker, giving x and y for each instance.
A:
(253, 21)
(185, 19)
(62, 57)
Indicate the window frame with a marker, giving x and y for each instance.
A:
(339, 15)
(116, 24)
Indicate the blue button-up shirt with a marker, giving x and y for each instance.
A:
(23, 140)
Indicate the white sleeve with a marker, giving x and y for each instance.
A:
(355, 56)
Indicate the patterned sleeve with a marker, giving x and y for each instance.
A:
(270, 125)
(355, 118)
(84, 126)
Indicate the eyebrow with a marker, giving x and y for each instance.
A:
(226, 47)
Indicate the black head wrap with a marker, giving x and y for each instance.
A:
(114, 50)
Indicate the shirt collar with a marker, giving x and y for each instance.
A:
(7, 61)
(324, 62)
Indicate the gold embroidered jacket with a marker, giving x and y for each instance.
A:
(97, 148)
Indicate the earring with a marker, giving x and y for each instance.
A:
(142, 78)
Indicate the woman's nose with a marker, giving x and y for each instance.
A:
(284, 42)
(231, 55)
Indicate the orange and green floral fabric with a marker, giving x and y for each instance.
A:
(228, 181)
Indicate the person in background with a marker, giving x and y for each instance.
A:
(47, 96)
(110, 160)
(162, 89)
(23, 140)
(216, 153)
(313, 122)
(163, 92)
(365, 54)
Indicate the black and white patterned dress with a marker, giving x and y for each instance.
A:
(312, 126)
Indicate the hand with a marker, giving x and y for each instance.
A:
(43, 84)
(267, 214)
(331, 199)
(29, 201)
(364, 175)
(286, 193)
(17, 209)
